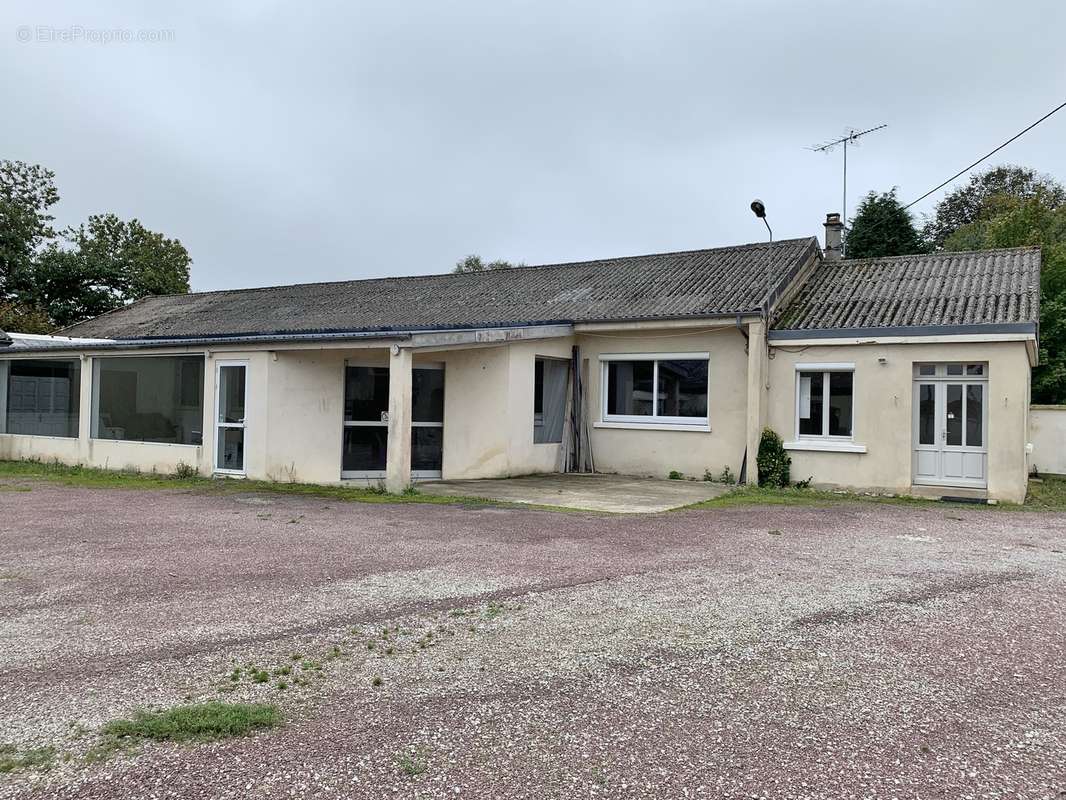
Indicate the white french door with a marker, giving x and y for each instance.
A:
(231, 398)
(951, 425)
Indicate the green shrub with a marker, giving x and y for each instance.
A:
(675, 475)
(774, 462)
(727, 476)
(185, 471)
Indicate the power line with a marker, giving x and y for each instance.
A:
(986, 156)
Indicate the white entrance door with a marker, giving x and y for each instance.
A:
(951, 425)
(231, 392)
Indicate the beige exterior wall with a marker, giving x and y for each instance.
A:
(640, 450)
(883, 413)
(295, 412)
(1047, 432)
(488, 411)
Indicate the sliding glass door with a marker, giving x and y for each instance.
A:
(366, 421)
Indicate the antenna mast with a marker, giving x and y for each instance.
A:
(849, 138)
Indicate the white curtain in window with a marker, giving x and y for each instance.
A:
(556, 377)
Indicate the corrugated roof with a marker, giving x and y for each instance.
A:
(965, 288)
(694, 283)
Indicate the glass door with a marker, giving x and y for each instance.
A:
(951, 424)
(366, 421)
(231, 390)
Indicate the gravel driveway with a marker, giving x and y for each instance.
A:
(774, 652)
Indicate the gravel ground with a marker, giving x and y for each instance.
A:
(867, 651)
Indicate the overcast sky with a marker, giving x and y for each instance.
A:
(284, 142)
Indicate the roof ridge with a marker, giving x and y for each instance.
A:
(937, 254)
(468, 275)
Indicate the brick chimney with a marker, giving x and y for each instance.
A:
(834, 233)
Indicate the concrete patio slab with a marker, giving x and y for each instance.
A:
(619, 494)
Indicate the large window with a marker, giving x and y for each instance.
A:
(149, 399)
(40, 397)
(550, 378)
(824, 401)
(669, 389)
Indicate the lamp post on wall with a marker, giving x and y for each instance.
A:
(759, 210)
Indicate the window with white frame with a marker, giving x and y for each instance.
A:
(825, 401)
(655, 388)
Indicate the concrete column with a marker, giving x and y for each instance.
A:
(756, 417)
(398, 462)
(86, 398)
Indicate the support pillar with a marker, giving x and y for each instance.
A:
(398, 460)
(756, 417)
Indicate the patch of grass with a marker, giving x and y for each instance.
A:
(260, 676)
(39, 758)
(1047, 494)
(411, 765)
(794, 496)
(203, 722)
(91, 477)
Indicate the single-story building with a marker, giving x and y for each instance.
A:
(901, 374)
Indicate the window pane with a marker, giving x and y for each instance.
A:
(538, 385)
(43, 398)
(927, 369)
(230, 449)
(231, 394)
(366, 393)
(811, 403)
(975, 420)
(975, 369)
(683, 388)
(954, 413)
(629, 387)
(548, 421)
(427, 395)
(927, 413)
(954, 369)
(840, 403)
(427, 448)
(364, 448)
(150, 399)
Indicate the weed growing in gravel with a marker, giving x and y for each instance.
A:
(296, 656)
(411, 765)
(286, 670)
(376, 681)
(282, 686)
(260, 676)
(194, 723)
(39, 758)
(774, 532)
(494, 610)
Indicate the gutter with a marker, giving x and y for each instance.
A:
(892, 331)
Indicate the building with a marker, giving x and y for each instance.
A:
(907, 374)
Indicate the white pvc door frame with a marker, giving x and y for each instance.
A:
(220, 425)
(929, 460)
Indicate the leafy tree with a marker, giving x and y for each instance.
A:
(50, 279)
(108, 262)
(882, 227)
(965, 205)
(26, 193)
(473, 263)
(1038, 219)
(15, 317)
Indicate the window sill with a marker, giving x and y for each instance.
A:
(152, 444)
(653, 426)
(826, 446)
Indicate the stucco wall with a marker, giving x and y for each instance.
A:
(883, 412)
(643, 451)
(488, 411)
(1047, 432)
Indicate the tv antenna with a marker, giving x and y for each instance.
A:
(851, 137)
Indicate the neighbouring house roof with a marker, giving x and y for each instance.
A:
(977, 291)
(690, 284)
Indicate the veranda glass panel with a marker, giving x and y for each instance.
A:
(43, 397)
(150, 399)
(975, 419)
(366, 393)
(427, 395)
(427, 448)
(364, 448)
